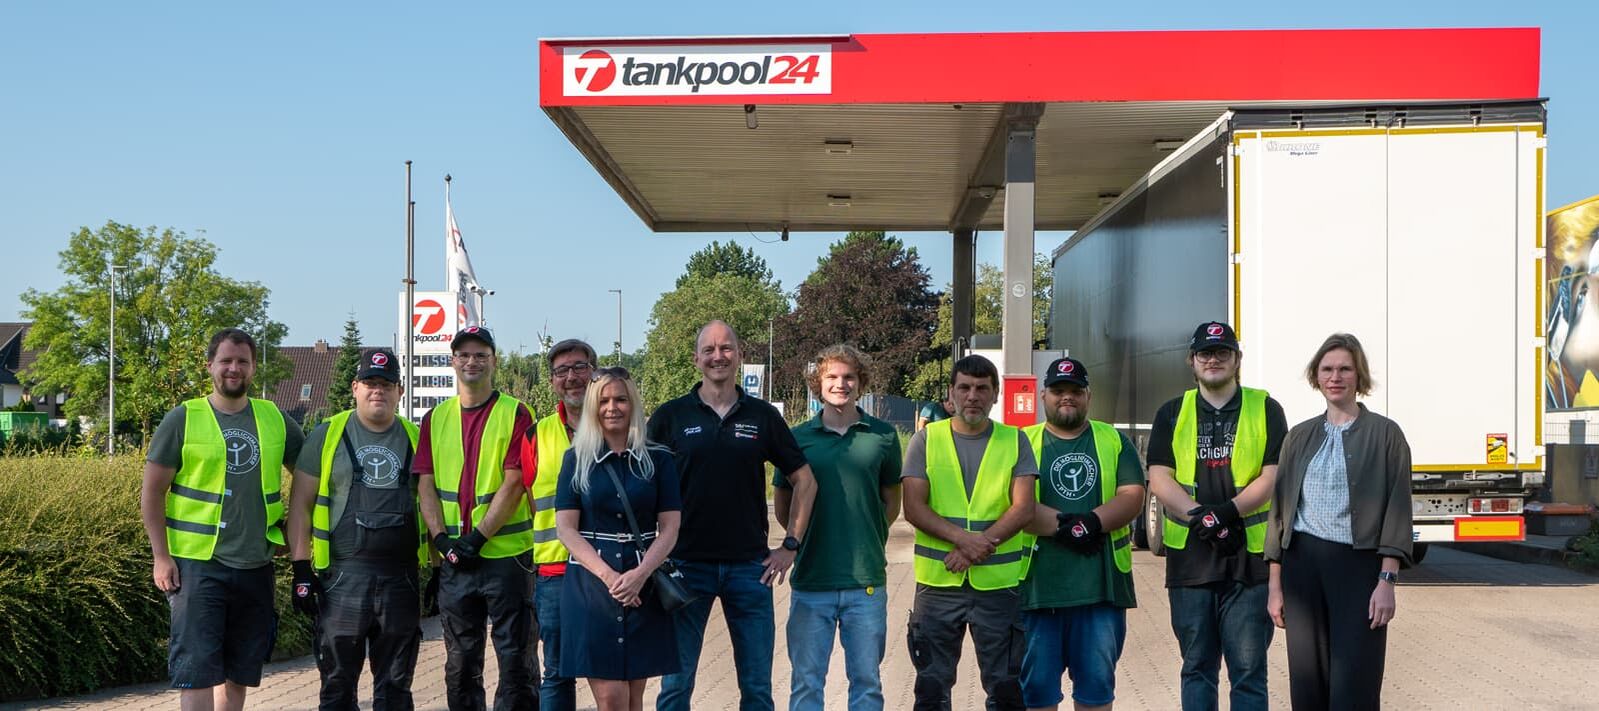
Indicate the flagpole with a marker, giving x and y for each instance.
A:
(449, 240)
(410, 293)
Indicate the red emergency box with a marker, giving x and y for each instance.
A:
(1020, 400)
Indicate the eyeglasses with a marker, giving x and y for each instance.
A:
(1215, 355)
(614, 372)
(470, 357)
(578, 368)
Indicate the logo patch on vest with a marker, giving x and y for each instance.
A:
(1074, 475)
(244, 451)
(380, 467)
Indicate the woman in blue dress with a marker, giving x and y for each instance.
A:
(613, 630)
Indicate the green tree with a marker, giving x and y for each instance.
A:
(522, 376)
(871, 291)
(932, 375)
(345, 366)
(727, 258)
(170, 299)
(744, 303)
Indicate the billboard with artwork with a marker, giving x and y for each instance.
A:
(1571, 375)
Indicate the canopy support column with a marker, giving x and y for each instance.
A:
(1016, 339)
(962, 296)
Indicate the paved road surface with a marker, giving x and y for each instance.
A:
(1471, 632)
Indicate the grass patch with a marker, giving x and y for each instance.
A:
(78, 608)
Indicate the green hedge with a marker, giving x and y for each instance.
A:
(78, 608)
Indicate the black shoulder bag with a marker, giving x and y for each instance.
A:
(668, 581)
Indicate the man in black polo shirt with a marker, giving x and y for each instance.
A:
(722, 438)
(1212, 463)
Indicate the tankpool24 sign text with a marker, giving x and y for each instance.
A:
(678, 70)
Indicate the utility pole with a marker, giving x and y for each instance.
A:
(771, 367)
(111, 368)
(410, 293)
(618, 293)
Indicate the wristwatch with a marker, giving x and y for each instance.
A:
(790, 543)
(1392, 578)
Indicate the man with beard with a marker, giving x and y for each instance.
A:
(571, 364)
(211, 505)
(969, 492)
(469, 482)
(722, 439)
(356, 544)
(1079, 582)
(1212, 463)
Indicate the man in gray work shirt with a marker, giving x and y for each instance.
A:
(968, 490)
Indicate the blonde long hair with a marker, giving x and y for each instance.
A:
(588, 442)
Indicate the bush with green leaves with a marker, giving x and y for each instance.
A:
(78, 608)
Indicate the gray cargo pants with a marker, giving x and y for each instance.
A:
(938, 625)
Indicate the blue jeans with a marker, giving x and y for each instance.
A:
(747, 607)
(861, 619)
(1216, 621)
(1085, 641)
(555, 693)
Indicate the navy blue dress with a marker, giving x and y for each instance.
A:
(601, 639)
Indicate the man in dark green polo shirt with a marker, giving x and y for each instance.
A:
(839, 575)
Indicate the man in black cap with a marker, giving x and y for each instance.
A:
(1079, 580)
(1212, 463)
(469, 482)
(356, 543)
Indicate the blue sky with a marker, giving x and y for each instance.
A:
(279, 131)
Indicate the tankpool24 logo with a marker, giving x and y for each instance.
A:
(689, 70)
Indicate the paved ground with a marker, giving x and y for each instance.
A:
(1471, 632)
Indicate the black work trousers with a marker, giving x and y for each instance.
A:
(368, 611)
(1335, 658)
(498, 593)
(938, 626)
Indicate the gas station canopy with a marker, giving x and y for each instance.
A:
(907, 131)
(966, 132)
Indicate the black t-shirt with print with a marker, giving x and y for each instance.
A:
(721, 467)
(1198, 563)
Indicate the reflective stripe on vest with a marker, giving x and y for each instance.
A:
(989, 500)
(1249, 449)
(516, 534)
(1108, 450)
(194, 503)
(321, 516)
(552, 444)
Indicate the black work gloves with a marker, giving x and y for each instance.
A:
(307, 591)
(1080, 532)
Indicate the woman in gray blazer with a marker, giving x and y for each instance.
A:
(1338, 530)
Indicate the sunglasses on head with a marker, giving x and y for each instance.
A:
(613, 371)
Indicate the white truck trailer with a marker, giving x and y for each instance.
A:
(1419, 229)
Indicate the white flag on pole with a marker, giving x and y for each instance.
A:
(459, 276)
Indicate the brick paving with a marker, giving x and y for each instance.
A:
(1471, 632)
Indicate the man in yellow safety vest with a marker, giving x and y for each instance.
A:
(968, 490)
(212, 504)
(571, 364)
(1079, 581)
(356, 541)
(1212, 463)
(469, 482)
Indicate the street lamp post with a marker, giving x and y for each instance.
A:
(111, 366)
(618, 293)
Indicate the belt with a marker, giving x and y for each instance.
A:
(614, 537)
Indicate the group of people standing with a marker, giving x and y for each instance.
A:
(568, 532)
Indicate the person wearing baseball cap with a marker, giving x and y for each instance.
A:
(355, 541)
(1078, 583)
(1212, 464)
(474, 502)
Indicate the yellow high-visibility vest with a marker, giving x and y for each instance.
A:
(1108, 449)
(321, 524)
(1249, 449)
(194, 503)
(516, 534)
(989, 500)
(552, 443)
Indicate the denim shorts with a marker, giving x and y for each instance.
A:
(1085, 641)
